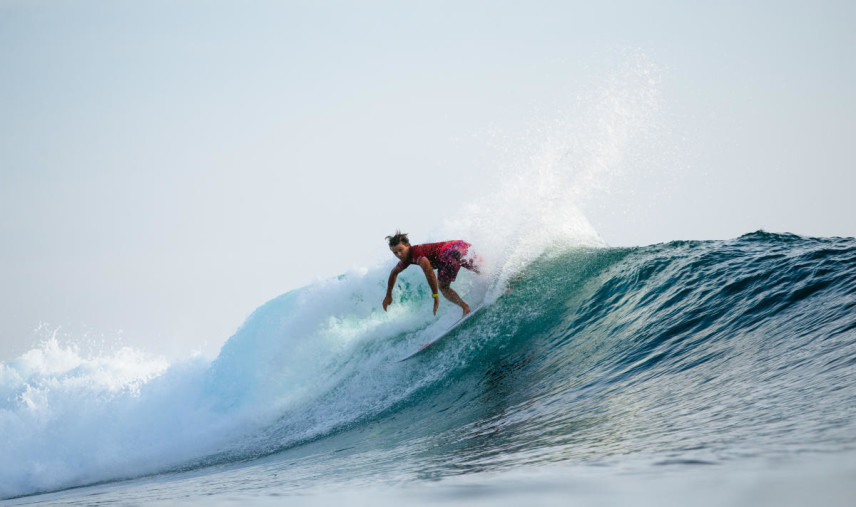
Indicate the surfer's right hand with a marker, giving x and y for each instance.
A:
(436, 305)
(387, 300)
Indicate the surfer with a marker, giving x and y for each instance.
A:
(447, 257)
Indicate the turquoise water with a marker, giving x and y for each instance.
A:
(717, 371)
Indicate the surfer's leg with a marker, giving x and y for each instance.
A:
(447, 271)
(450, 294)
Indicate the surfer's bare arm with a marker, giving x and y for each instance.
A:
(425, 264)
(393, 276)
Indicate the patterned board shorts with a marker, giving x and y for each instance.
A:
(453, 257)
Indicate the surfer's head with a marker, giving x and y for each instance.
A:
(399, 244)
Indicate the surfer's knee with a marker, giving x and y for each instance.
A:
(449, 293)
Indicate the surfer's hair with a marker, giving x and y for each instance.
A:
(398, 237)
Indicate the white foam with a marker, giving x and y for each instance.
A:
(546, 174)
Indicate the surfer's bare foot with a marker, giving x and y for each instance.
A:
(466, 310)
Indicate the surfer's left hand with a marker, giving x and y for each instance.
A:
(436, 305)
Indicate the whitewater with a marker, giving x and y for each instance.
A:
(702, 372)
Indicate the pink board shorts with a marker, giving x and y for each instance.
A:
(453, 257)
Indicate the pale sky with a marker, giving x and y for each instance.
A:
(167, 167)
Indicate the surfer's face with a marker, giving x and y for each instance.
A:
(400, 250)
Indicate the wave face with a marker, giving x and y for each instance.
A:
(687, 352)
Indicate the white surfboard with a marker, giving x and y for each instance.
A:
(446, 332)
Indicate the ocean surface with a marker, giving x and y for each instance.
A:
(686, 373)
